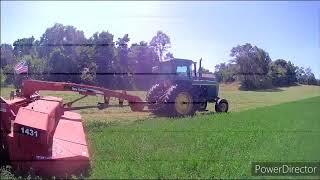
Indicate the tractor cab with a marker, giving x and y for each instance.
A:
(176, 69)
(181, 69)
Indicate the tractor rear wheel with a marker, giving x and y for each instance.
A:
(153, 98)
(222, 106)
(180, 101)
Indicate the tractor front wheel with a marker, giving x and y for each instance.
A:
(221, 105)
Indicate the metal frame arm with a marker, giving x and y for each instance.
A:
(29, 87)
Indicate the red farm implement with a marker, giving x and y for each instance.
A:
(44, 134)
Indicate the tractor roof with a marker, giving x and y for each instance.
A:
(178, 60)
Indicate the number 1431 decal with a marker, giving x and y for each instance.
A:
(29, 132)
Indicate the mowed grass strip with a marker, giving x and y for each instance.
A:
(238, 100)
(207, 146)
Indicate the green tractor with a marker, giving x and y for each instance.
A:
(181, 91)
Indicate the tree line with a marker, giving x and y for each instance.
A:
(63, 53)
(253, 67)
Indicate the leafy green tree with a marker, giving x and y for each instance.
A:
(311, 80)
(66, 40)
(88, 75)
(121, 64)
(305, 76)
(8, 60)
(7, 55)
(161, 42)
(104, 54)
(225, 72)
(87, 65)
(60, 66)
(282, 73)
(301, 77)
(2, 78)
(8, 71)
(291, 73)
(142, 58)
(218, 73)
(24, 46)
(253, 65)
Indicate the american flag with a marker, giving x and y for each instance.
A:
(21, 67)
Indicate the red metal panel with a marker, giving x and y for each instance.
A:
(31, 118)
(5, 122)
(72, 128)
(33, 129)
(70, 153)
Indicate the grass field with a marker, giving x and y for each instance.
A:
(238, 100)
(219, 146)
(126, 144)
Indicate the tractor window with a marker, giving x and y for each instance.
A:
(182, 70)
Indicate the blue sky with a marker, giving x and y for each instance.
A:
(208, 29)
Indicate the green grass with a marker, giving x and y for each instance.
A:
(238, 100)
(208, 146)
(126, 144)
(244, 100)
